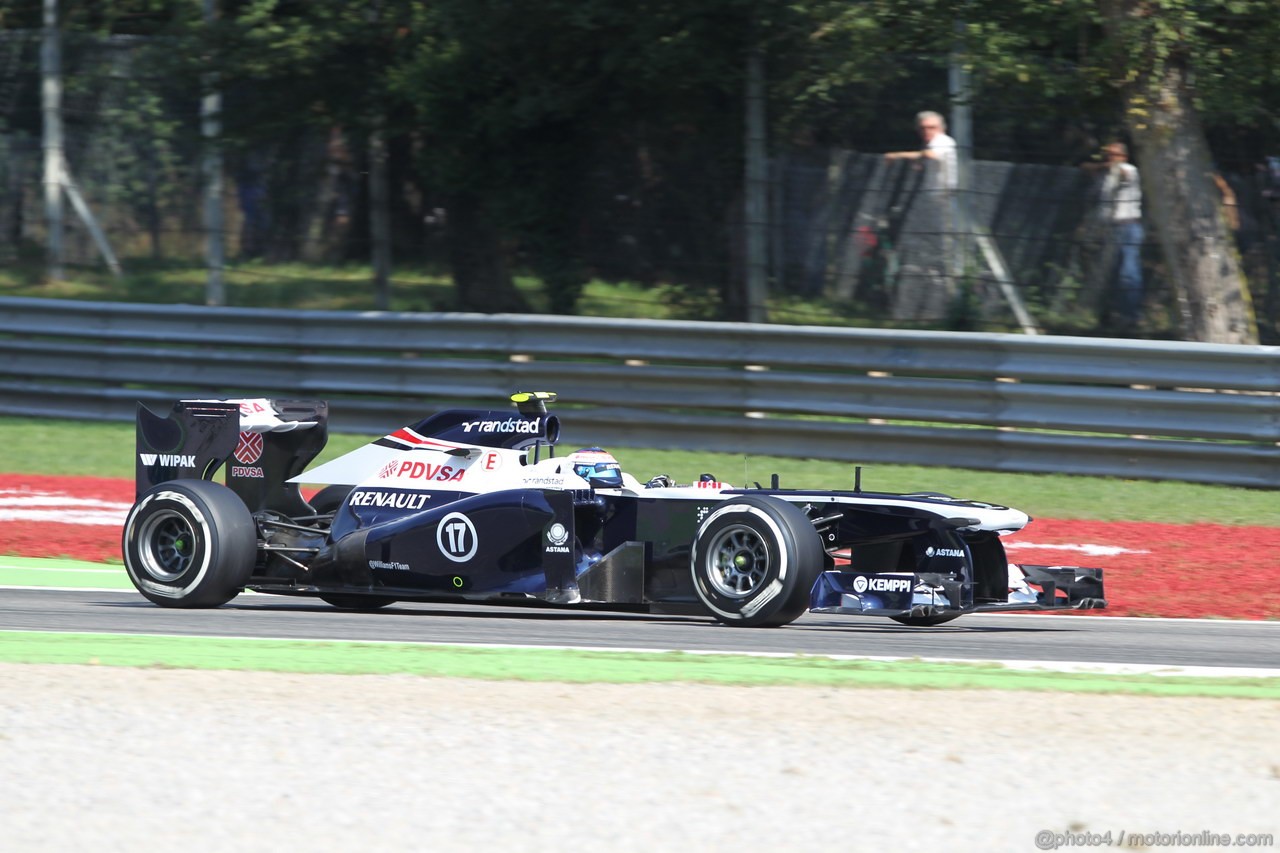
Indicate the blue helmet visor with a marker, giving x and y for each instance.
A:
(607, 474)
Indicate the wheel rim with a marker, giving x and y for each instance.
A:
(737, 561)
(168, 545)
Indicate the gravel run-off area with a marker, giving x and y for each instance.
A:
(96, 758)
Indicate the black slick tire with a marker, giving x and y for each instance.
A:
(189, 543)
(755, 560)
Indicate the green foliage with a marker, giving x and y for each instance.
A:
(1229, 45)
(1037, 62)
(322, 62)
(541, 110)
(964, 312)
(519, 105)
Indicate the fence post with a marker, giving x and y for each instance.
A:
(756, 191)
(51, 109)
(211, 130)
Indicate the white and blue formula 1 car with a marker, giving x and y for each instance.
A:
(476, 506)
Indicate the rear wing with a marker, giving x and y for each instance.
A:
(261, 443)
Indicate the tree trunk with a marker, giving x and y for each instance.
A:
(1179, 195)
(380, 219)
(1185, 207)
(481, 278)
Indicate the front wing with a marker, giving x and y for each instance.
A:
(930, 595)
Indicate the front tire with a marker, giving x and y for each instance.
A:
(755, 560)
(189, 543)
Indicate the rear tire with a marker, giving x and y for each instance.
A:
(189, 543)
(755, 560)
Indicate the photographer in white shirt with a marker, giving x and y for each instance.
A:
(1120, 208)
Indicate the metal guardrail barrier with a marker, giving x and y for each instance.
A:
(1155, 410)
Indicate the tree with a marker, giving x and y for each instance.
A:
(1157, 67)
(1162, 39)
(534, 115)
(572, 138)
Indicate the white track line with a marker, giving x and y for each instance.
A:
(1046, 666)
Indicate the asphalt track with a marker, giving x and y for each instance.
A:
(1008, 637)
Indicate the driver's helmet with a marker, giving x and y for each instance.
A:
(597, 467)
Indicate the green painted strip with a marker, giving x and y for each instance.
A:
(39, 572)
(55, 563)
(522, 664)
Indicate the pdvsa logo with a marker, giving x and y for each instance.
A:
(249, 448)
(411, 470)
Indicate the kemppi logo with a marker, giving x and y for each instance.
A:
(863, 583)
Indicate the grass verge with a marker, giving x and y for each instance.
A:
(61, 573)
(573, 666)
(348, 287)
